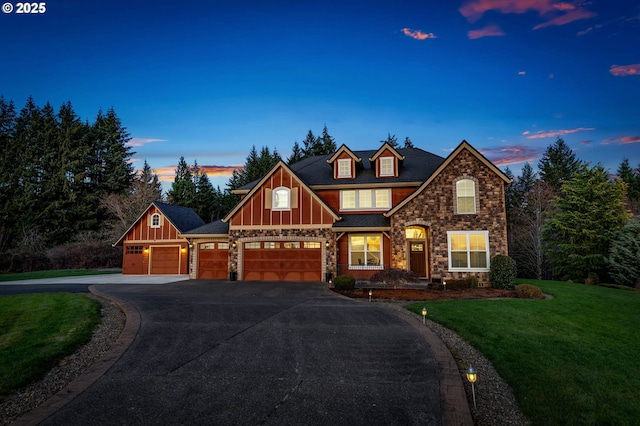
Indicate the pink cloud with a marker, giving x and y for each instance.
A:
(522, 73)
(588, 30)
(168, 174)
(417, 34)
(514, 154)
(574, 15)
(625, 70)
(488, 31)
(624, 140)
(556, 133)
(473, 10)
(585, 142)
(143, 141)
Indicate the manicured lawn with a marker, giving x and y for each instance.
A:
(570, 360)
(55, 274)
(37, 330)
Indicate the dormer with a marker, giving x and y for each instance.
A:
(386, 162)
(344, 163)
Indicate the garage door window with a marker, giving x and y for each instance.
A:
(252, 245)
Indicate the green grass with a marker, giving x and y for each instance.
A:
(55, 274)
(37, 331)
(572, 360)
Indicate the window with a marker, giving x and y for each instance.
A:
(468, 250)
(292, 245)
(466, 196)
(155, 220)
(365, 251)
(386, 166)
(133, 249)
(311, 244)
(271, 245)
(344, 168)
(252, 245)
(281, 198)
(223, 246)
(415, 232)
(207, 246)
(365, 199)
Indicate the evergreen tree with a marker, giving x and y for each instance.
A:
(408, 143)
(205, 205)
(558, 164)
(183, 188)
(312, 145)
(327, 142)
(589, 211)
(9, 173)
(624, 255)
(391, 140)
(632, 179)
(296, 154)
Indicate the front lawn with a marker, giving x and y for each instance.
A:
(37, 331)
(56, 273)
(572, 359)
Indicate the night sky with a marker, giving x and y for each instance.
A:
(208, 79)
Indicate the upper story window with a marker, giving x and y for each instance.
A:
(386, 166)
(465, 196)
(155, 220)
(344, 168)
(365, 199)
(281, 198)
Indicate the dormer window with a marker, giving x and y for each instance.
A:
(386, 166)
(281, 198)
(344, 168)
(155, 220)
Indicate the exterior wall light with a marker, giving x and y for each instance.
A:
(424, 315)
(233, 244)
(326, 244)
(472, 376)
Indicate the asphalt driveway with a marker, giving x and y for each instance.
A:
(261, 353)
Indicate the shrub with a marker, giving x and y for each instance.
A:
(344, 282)
(529, 291)
(395, 276)
(624, 254)
(456, 284)
(473, 281)
(503, 272)
(592, 279)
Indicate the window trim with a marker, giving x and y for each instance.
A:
(341, 162)
(390, 162)
(365, 266)
(469, 251)
(274, 195)
(374, 199)
(153, 217)
(475, 206)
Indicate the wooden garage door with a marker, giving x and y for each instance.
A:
(213, 261)
(283, 261)
(165, 260)
(133, 260)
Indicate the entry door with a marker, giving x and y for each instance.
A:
(418, 258)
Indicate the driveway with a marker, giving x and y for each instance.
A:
(261, 353)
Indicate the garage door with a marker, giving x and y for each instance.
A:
(165, 260)
(283, 261)
(213, 261)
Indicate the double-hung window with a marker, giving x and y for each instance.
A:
(468, 251)
(344, 168)
(466, 196)
(386, 166)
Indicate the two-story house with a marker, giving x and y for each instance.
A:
(358, 212)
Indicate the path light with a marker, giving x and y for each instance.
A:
(472, 376)
(424, 315)
(444, 283)
(370, 294)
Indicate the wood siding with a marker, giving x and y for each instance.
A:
(143, 232)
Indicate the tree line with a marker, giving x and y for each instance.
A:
(571, 220)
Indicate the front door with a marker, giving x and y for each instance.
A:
(418, 258)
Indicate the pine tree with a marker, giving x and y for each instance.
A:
(328, 144)
(296, 154)
(183, 189)
(624, 255)
(205, 195)
(408, 143)
(558, 164)
(312, 145)
(589, 211)
(632, 179)
(9, 173)
(391, 140)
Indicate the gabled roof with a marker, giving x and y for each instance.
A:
(214, 228)
(382, 149)
(182, 218)
(463, 145)
(343, 148)
(257, 184)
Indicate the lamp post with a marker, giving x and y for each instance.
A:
(370, 294)
(472, 376)
(424, 315)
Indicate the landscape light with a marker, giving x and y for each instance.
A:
(424, 315)
(444, 283)
(370, 294)
(472, 376)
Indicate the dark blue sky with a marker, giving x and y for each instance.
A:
(208, 79)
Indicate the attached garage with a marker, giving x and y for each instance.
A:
(282, 261)
(213, 261)
(165, 260)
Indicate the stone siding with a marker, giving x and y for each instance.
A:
(435, 208)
